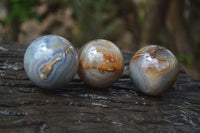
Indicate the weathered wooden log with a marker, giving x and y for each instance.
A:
(78, 108)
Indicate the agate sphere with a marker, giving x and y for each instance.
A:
(101, 63)
(154, 69)
(50, 61)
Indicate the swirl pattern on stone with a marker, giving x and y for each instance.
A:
(50, 61)
(101, 63)
(154, 69)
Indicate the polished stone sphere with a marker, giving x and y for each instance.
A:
(154, 69)
(50, 62)
(101, 63)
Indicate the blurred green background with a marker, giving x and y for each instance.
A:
(131, 24)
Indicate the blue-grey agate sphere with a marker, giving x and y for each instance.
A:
(50, 62)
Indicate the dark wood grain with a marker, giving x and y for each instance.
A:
(79, 108)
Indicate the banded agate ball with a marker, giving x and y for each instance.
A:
(101, 63)
(154, 69)
(50, 61)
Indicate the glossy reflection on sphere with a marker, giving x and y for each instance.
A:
(50, 61)
(154, 69)
(100, 63)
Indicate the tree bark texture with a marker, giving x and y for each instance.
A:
(194, 21)
(13, 27)
(128, 11)
(156, 14)
(178, 35)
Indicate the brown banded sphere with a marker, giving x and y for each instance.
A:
(101, 63)
(154, 69)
